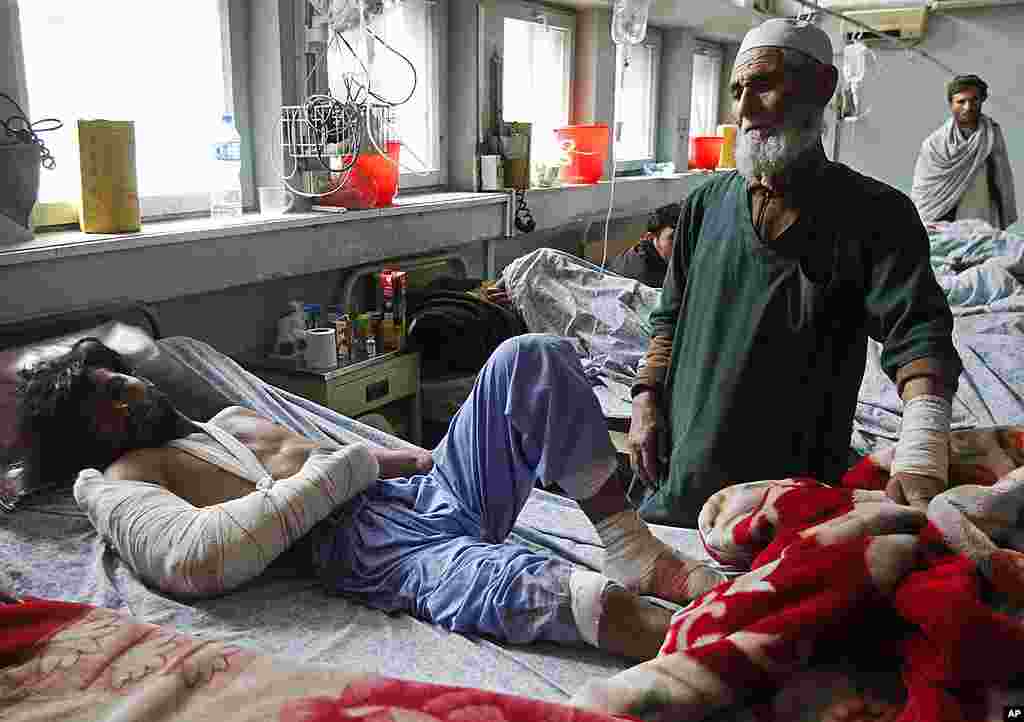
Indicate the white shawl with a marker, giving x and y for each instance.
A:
(947, 163)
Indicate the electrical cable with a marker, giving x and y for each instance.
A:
(23, 130)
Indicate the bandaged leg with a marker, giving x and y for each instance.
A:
(191, 551)
(973, 518)
(644, 564)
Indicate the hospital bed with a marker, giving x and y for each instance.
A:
(49, 549)
(310, 649)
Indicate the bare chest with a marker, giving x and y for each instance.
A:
(279, 451)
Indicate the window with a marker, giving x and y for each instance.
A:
(411, 28)
(537, 75)
(707, 74)
(107, 59)
(636, 106)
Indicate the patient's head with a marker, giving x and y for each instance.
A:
(85, 409)
(661, 227)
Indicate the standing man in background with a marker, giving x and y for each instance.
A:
(780, 272)
(963, 170)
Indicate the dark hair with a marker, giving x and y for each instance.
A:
(52, 420)
(664, 217)
(960, 82)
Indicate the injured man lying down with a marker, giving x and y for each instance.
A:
(201, 508)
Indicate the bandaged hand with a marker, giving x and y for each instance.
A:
(914, 490)
(190, 551)
(920, 465)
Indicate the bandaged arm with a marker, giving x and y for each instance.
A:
(190, 551)
(923, 447)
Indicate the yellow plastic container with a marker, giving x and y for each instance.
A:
(727, 157)
(109, 181)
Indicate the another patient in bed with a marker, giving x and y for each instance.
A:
(201, 508)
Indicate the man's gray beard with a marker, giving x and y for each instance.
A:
(775, 155)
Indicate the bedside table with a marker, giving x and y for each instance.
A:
(388, 384)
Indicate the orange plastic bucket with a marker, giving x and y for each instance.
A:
(705, 151)
(587, 148)
(372, 183)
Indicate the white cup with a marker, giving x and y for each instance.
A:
(321, 348)
(491, 173)
(274, 200)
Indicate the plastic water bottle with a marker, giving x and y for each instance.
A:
(226, 189)
(629, 21)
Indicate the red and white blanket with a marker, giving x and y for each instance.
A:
(831, 567)
(61, 661)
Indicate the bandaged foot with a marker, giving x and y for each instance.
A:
(644, 564)
(615, 620)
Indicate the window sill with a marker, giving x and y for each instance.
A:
(634, 195)
(620, 179)
(52, 245)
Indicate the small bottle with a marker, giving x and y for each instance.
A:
(371, 347)
(226, 183)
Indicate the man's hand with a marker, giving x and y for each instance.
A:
(648, 451)
(498, 294)
(913, 489)
(403, 462)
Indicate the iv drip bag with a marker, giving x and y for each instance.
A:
(629, 21)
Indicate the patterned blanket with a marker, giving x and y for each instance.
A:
(61, 661)
(832, 568)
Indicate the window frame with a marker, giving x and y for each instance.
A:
(162, 206)
(438, 176)
(653, 41)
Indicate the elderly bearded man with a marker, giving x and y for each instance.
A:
(780, 272)
(963, 170)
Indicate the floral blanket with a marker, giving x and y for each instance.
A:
(832, 568)
(61, 661)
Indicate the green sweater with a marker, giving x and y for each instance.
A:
(770, 340)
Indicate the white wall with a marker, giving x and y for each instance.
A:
(908, 97)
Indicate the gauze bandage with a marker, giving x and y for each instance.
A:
(631, 554)
(190, 551)
(923, 447)
(630, 550)
(587, 590)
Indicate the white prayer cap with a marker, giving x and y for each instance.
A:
(788, 33)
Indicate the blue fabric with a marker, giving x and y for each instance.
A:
(435, 545)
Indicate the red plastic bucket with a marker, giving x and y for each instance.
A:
(372, 183)
(705, 151)
(587, 147)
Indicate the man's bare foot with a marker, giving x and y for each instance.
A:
(630, 626)
(1007, 575)
(861, 709)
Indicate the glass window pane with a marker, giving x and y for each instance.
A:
(108, 59)
(633, 102)
(535, 81)
(408, 28)
(704, 95)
